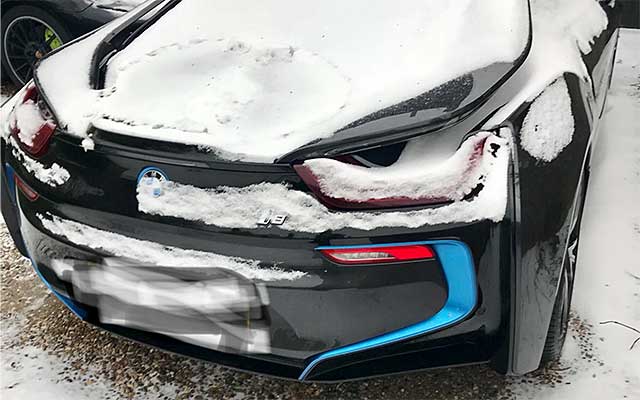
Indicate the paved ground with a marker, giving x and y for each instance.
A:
(46, 350)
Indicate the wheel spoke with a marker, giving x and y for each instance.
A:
(17, 37)
(21, 66)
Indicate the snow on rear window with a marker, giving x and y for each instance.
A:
(255, 80)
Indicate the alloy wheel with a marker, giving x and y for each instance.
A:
(27, 39)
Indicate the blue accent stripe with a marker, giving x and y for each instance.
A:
(72, 305)
(11, 181)
(457, 263)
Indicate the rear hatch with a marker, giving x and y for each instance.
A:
(258, 85)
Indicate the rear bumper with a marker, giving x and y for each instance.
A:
(331, 325)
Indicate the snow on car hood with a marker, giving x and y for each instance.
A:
(255, 80)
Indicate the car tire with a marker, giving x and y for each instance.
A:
(559, 324)
(558, 327)
(33, 15)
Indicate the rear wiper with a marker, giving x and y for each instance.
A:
(122, 35)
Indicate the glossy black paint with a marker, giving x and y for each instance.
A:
(485, 329)
(518, 261)
(78, 16)
(546, 200)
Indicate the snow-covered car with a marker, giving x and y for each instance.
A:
(318, 191)
(32, 28)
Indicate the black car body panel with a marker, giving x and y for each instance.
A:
(79, 16)
(516, 263)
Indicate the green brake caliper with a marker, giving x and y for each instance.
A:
(50, 35)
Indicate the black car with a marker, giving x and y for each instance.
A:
(316, 192)
(32, 28)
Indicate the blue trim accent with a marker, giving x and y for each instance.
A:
(71, 305)
(459, 271)
(147, 169)
(11, 181)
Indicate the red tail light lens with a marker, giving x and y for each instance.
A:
(377, 255)
(457, 177)
(31, 194)
(31, 124)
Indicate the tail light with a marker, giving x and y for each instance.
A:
(31, 194)
(377, 254)
(31, 123)
(469, 160)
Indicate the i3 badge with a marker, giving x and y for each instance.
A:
(268, 218)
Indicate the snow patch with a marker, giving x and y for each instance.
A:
(158, 254)
(72, 99)
(242, 207)
(409, 177)
(88, 144)
(54, 175)
(563, 30)
(227, 88)
(6, 113)
(548, 126)
(29, 373)
(28, 121)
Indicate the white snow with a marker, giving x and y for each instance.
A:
(28, 120)
(88, 144)
(28, 373)
(71, 98)
(563, 30)
(256, 80)
(242, 207)
(157, 254)
(54, 175)
(548, 126)
(607, 283)
(6, 111)
(410, 176)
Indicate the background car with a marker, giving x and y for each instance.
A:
(32, 28)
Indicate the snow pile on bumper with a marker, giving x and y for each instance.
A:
(158, 254)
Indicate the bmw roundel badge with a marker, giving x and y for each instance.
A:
(150, 181)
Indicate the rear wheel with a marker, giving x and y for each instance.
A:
(28, 34)
(559, 324)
